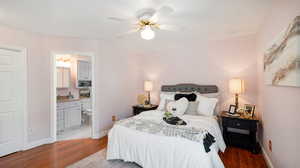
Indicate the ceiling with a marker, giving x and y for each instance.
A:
(88, 18)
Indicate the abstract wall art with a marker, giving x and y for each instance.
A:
(282, 59)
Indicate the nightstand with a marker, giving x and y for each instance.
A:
(240, 131)
(137, 109)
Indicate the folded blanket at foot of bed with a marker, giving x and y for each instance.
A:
(162, 128)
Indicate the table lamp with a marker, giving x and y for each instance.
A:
(148, 86)
(236, 86)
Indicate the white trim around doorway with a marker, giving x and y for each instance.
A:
(53, 101)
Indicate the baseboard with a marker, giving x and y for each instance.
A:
(266, 156)
(100, 134)
(49, 140)
(37, 143)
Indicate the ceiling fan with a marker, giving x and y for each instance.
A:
(146, 22)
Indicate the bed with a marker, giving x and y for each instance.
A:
(159, 151)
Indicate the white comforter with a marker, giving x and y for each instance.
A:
(156, 151)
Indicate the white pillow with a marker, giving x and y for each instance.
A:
(163, 97)
(192, 108)
(206, 105)
(217, 96)
(178, 107)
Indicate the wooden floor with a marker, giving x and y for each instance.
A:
(240, 158)
(61, 154)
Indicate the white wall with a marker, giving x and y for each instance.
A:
(117, 83)
(114, 91)
(279, 105)
(201, 61)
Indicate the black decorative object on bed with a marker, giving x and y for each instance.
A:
(189, 87)
(208, 141)
(190, 97)
(174, 121)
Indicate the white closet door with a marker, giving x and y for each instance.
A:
(12, 100)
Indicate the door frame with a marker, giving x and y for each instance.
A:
(24, 116)
(53, 102)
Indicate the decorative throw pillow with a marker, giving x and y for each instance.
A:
(163, 97)
(178, 107)
(206, 105)
(192, 108)
(190, 97)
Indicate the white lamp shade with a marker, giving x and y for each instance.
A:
(148, 86)
(147, 33)
(236, 86)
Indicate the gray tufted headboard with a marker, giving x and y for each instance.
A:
(189, 87)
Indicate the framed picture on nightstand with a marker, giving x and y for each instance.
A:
(249, 110)
(232, 109)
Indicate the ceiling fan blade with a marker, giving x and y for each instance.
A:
(154, 18)
(162, 12)
(165, 10)
(128, 33)
(119, 19)
(170, 27)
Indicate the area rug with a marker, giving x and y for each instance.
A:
(98, 160)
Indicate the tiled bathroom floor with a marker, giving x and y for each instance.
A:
(84, 131)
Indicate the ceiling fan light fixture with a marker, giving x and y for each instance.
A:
(147, 33)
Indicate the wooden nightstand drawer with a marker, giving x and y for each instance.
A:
(236, 123)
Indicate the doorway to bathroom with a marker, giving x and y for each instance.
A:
(72, 96)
